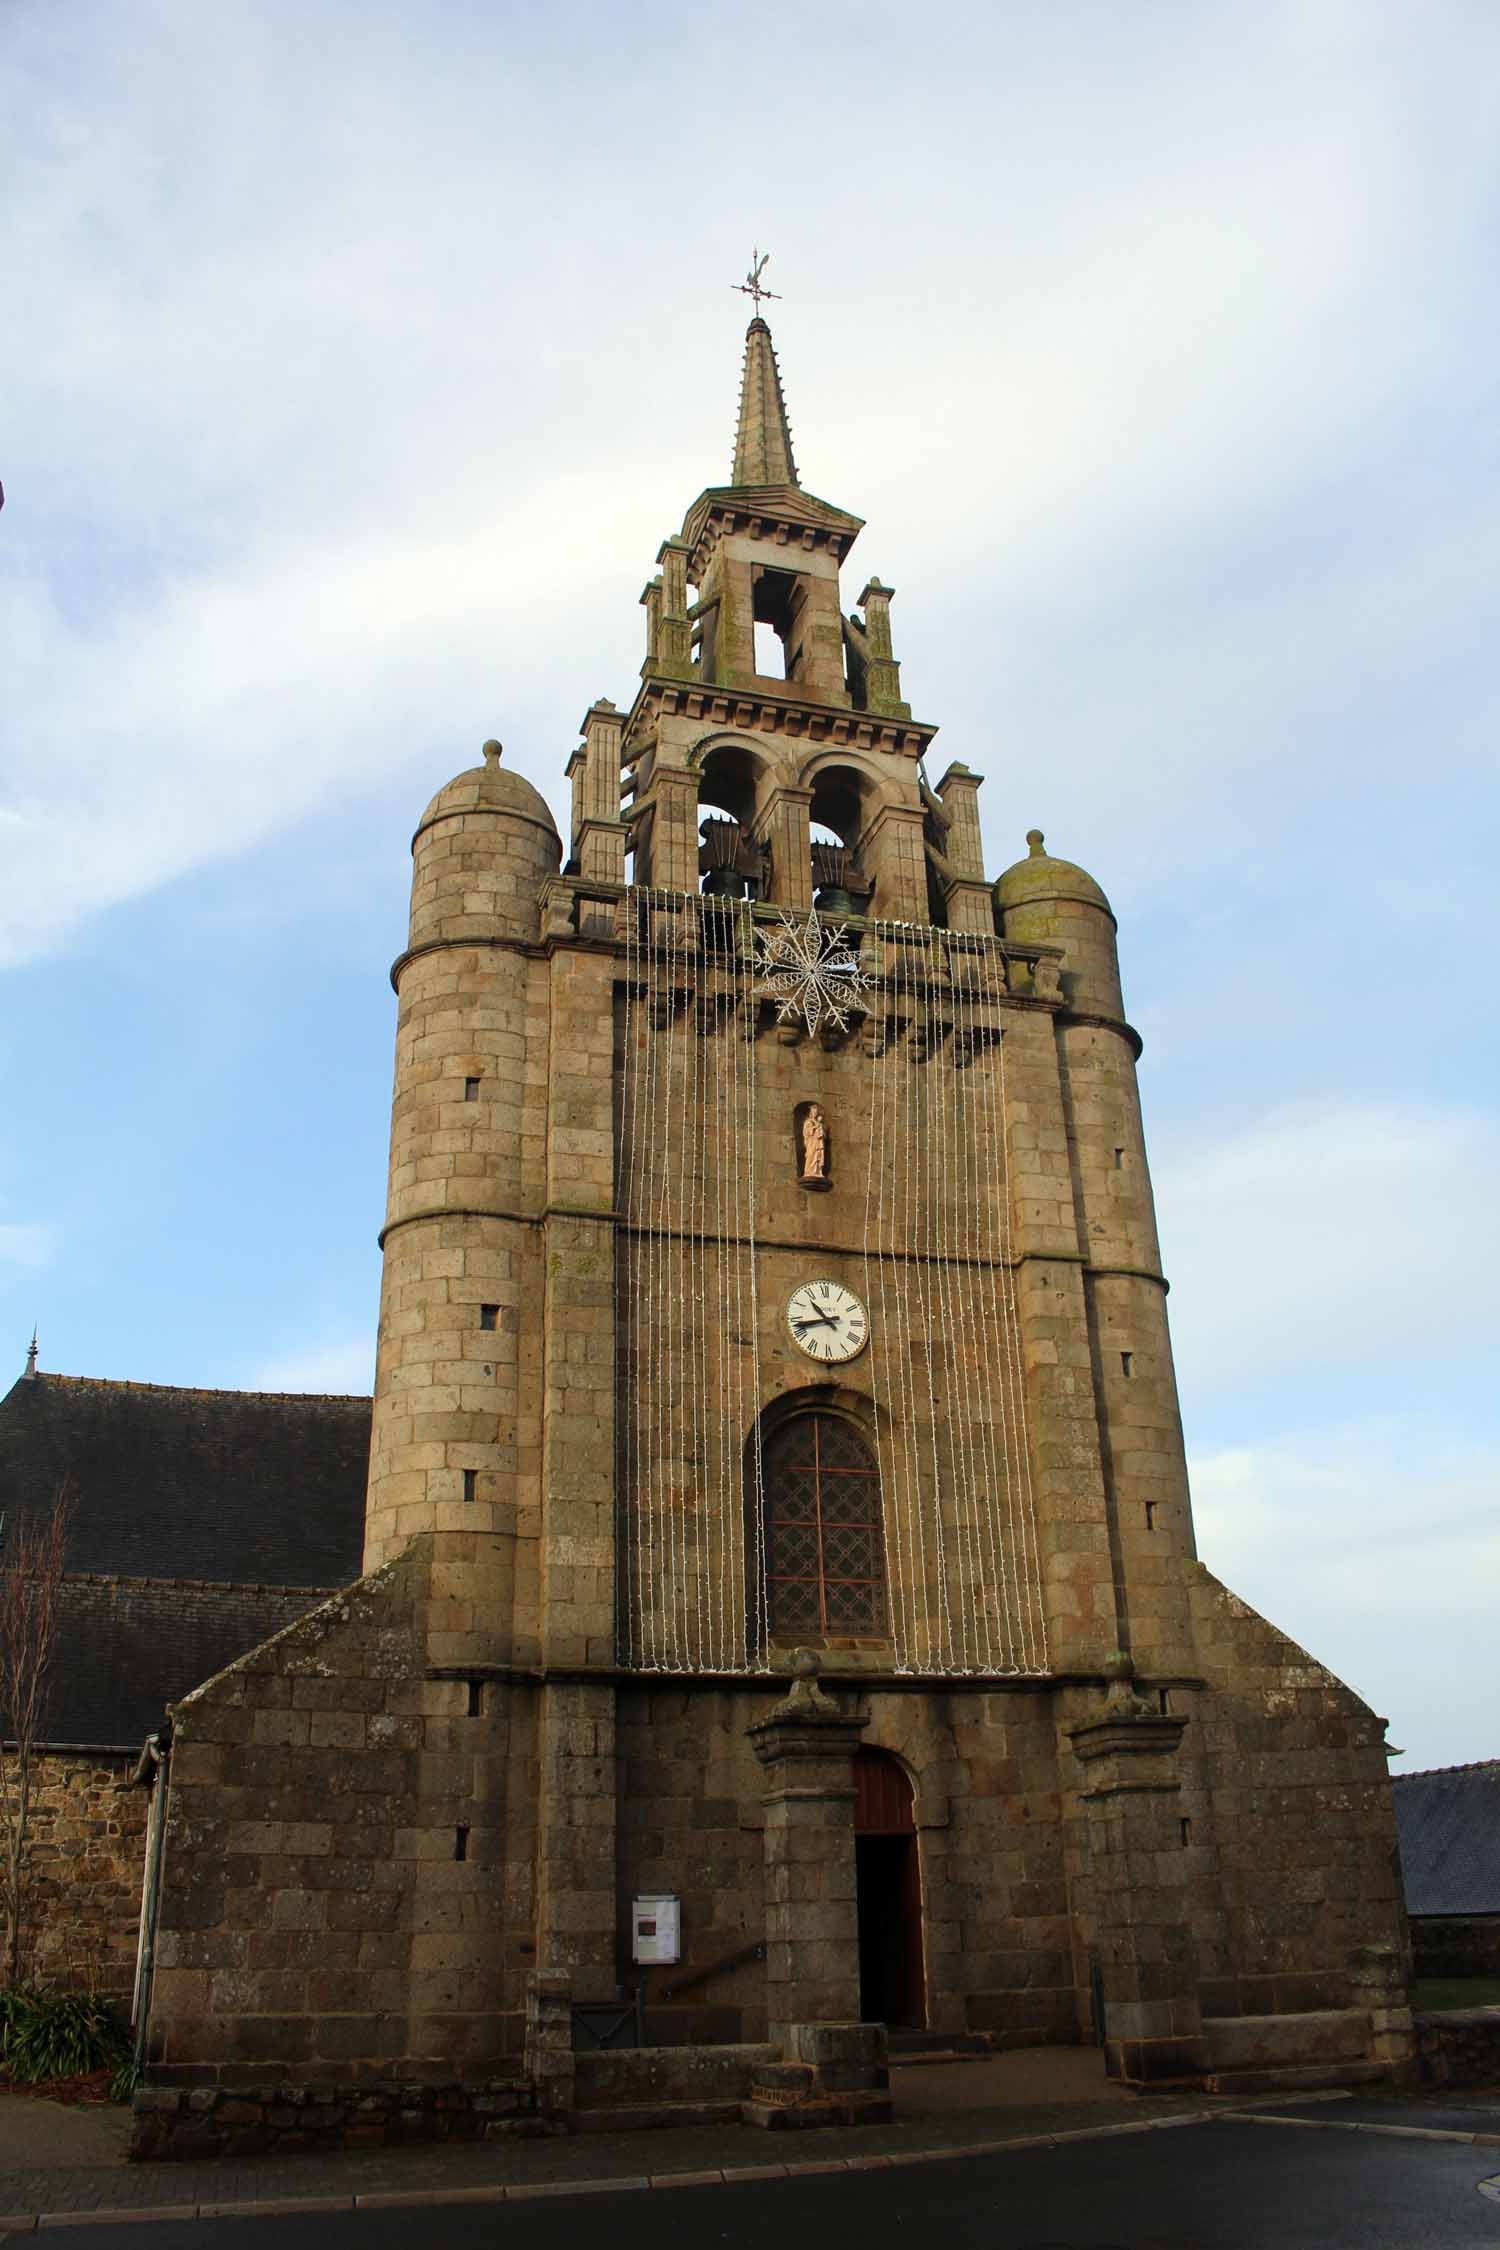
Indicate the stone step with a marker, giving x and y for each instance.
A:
(912, 2046)
(868, 2106)
(940, 2055)
(637, 2117)
(1317, 2036)
(1296, 2079)
(618, 2078)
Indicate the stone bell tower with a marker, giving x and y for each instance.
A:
(781, 1618)
(765, 559)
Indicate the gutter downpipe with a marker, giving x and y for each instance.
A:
(153, 1770)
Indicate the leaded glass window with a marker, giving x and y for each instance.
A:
(825, 1557)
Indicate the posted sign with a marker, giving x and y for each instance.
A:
(656, 1929)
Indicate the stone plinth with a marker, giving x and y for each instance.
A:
(1377, 1977)
(834, 2074)
(807, 1748)
(549, 2040)
(1140, 1861)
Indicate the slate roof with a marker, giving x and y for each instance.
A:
(256, 1487)
(131, 1646)
(1448, 1822)
(202, 1522)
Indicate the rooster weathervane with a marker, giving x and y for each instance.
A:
(752, 285)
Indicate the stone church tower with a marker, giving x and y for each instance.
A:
(781, 1598)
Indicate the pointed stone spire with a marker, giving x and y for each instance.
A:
(31, 1356)
(763, 442)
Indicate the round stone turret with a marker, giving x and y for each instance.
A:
(481, 852)
(467, 1180)
(1047, 901)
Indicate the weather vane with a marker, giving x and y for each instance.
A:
(751, 285)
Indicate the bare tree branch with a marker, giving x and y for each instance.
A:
(31, 1573)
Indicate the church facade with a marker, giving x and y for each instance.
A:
(780, 1606)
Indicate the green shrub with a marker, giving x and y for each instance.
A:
(46, 2034)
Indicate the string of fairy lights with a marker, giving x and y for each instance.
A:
(702, 1193)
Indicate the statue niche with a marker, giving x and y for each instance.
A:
(813, 1146)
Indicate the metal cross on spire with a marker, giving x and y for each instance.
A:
(752, 286)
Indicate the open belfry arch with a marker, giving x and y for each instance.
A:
(778, 1520)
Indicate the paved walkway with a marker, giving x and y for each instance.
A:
(71, 2161)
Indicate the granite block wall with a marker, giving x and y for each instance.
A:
(84, 1895)
(349, 1857)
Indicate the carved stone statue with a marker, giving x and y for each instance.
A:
(814, 1143)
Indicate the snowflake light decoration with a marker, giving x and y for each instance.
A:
(811, 972)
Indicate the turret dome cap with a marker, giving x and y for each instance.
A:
(1040, 876)
(491, 788)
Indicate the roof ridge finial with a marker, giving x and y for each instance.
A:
(763, 440)
(31, 1353)
(491, 753)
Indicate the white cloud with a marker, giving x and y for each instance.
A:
(1376, 1545)
(1329, 1236)
(318, 460)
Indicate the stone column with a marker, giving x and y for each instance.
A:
(807, 1748)
(549, 2040)
(893, 858)
(1140, 1862)
(1377, 1977)
(672, 792)
(883, 678)
(967, 893)
(599, 834)
(786, 825)
(673, 635)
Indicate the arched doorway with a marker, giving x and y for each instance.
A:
(888, 1876)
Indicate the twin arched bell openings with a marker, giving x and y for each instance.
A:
(751, 820)
(820, 1531)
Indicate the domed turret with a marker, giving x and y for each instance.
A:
(481, 852)
(1040, 876)
(1047, 901)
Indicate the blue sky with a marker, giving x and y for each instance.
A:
(360, 358)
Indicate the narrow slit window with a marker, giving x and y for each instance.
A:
(1150, 1515)
(476, 1699)
(1164, 1701)
(471, 1484)
(1119, 1160)
(461, 1841)
(471, 1094)
(1185, 1831)
(1127, 1363)
(489, 1316)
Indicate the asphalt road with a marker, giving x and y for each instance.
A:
(1223, 2186)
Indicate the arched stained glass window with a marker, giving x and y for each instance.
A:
(825, 1553)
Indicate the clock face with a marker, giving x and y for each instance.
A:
(827, 1321)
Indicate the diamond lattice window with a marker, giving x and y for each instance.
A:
(825, 1563)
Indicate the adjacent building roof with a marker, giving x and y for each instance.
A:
(201, 1523)
(131, 1646)
(1448, 1822)
(256, 1487)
